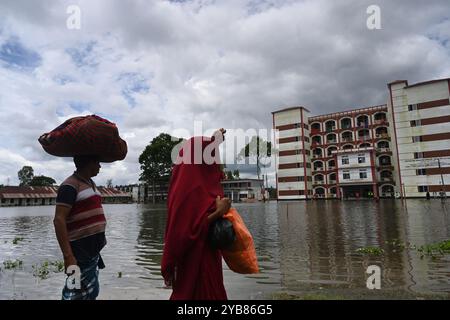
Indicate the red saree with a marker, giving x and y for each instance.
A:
(187, 258)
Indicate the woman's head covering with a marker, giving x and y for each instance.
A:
(194, 187)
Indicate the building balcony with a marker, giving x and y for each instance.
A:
(318, 169)
(331, 141)
(382, 136)
(318, 182)
(331, 181)
(331, 168)
(386, 179)
(347, 139)
(380, 122)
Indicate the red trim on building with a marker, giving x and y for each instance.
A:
(304, 154)
(395, 136)
(274, 139)
(374, 175)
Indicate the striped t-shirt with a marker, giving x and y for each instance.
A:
(86, 215)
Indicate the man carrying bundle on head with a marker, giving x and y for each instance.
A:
(79, 219)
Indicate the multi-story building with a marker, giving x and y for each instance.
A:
(421, 117)
(381, 151)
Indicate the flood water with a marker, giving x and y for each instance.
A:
(304, 248)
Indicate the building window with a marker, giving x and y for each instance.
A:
(301, 178)
(417, 138)
(306, 139)
(306, 126)
(363, 174)
(418, 155)
(422, 188)
(346, 175)
(416, 123)
(361, 159)
(412, 107)
(307, 152)
(309, 178)
(345, 160)
(308, 165)
(301, 192)
(421, 172)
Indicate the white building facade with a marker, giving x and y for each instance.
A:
(405, 145)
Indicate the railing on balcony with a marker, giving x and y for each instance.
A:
(386, 179)
(383, 149)
(330, 129)
(382, 135)
(332, 168)
(318, 169)
(315, 156)
(331, 181)
(347, 139)
(316, 182)
(332, 141)
(380, 121)
(364, 137)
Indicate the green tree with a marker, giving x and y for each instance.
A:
(229, 175)
(109, 183)
(25, 175)
(258, 149)
(236, 174)
(42, 181)
(156, 160)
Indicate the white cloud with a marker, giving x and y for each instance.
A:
(227, 63)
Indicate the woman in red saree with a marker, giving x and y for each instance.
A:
(189, 264)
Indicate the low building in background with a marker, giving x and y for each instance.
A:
(11, 196)
(245, 190)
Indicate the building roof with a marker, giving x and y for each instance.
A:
(427, 82)
(13, 192)
(382, 107)
(290, 108)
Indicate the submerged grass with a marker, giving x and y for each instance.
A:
(432, 250)
(43, 270)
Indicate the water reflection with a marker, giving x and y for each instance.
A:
(302, 247)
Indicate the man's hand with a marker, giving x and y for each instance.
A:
(223, 205)
(221, 132)
(70, 261)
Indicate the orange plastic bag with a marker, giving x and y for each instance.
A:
(241, 256)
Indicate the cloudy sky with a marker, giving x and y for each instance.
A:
(158, 66)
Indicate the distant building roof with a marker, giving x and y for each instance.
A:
(12, 192)
(427, 82)
(290, 108)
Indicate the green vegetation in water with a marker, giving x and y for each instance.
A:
(12, 264)
(434, 249)
(17, 239)
(396, 246)
(371, 251)
(43, 271)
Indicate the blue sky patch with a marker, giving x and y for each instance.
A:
(132, 83)
(84, 55)
(14, 55)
